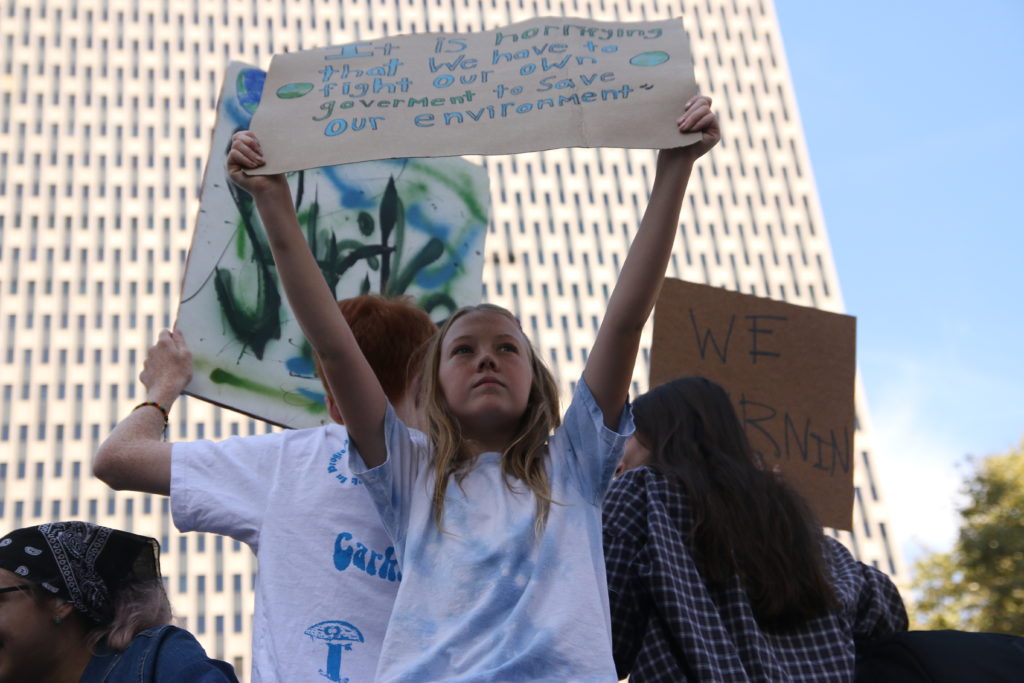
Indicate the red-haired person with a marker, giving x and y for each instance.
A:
(327, 569)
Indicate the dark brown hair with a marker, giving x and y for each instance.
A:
(746, 521)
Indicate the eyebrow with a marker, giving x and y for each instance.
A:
(20, 587)
(470, 337)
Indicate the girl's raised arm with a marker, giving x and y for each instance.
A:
(353, 385)
(610, 365)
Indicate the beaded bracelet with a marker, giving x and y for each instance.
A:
(163, 411)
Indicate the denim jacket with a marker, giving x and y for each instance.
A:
(158, 654)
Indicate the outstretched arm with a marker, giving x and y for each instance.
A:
(610, 365)
(353, 385)
(135, 456)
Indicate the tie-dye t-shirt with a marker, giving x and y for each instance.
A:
(487, 600)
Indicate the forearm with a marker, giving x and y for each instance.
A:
(643, 271)
(308, 294)
(135, 457)
(353, 384)
(637, 288)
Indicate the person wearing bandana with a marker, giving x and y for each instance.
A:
(81, 602)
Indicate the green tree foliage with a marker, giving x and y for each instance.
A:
(979, 585)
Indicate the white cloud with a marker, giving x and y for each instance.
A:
(917, 458)
(929, 409)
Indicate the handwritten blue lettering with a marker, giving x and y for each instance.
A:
(460, 63)
(503, 110)
(338, 126)
(450, 45)
(361, 88)
(550, 82)
(362, 50)
(581, 31)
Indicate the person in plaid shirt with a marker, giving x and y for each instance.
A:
(717, 570)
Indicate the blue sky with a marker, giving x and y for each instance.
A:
(914, 117)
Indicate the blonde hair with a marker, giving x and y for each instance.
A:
(138, 605)
(523, 458)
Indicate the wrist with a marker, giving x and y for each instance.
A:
(679, 157)
(275, 190)
(165, 397)
(155, 408)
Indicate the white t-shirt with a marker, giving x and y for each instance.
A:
(327, 570)
(487, 600)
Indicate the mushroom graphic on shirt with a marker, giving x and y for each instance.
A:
(339, 636)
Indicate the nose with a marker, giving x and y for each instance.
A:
(487, 361)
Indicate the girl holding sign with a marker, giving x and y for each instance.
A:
(496, 511)
(716, 569)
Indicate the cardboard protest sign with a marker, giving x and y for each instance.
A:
(535, 85)
(413, 227)
(790, 372)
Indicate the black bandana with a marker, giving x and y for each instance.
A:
(80, 562)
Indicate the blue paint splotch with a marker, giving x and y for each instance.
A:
(354, 194)
(294, 90)
(249, 89)
(654, 58)
(416, 217)
(436, 278)
(301, 366)
(318, 396)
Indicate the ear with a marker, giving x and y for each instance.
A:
(63, 609)
(332, 410)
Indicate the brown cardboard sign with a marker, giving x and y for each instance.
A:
(539, 84)
(790, 371)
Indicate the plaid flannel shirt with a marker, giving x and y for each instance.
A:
(667, 625)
